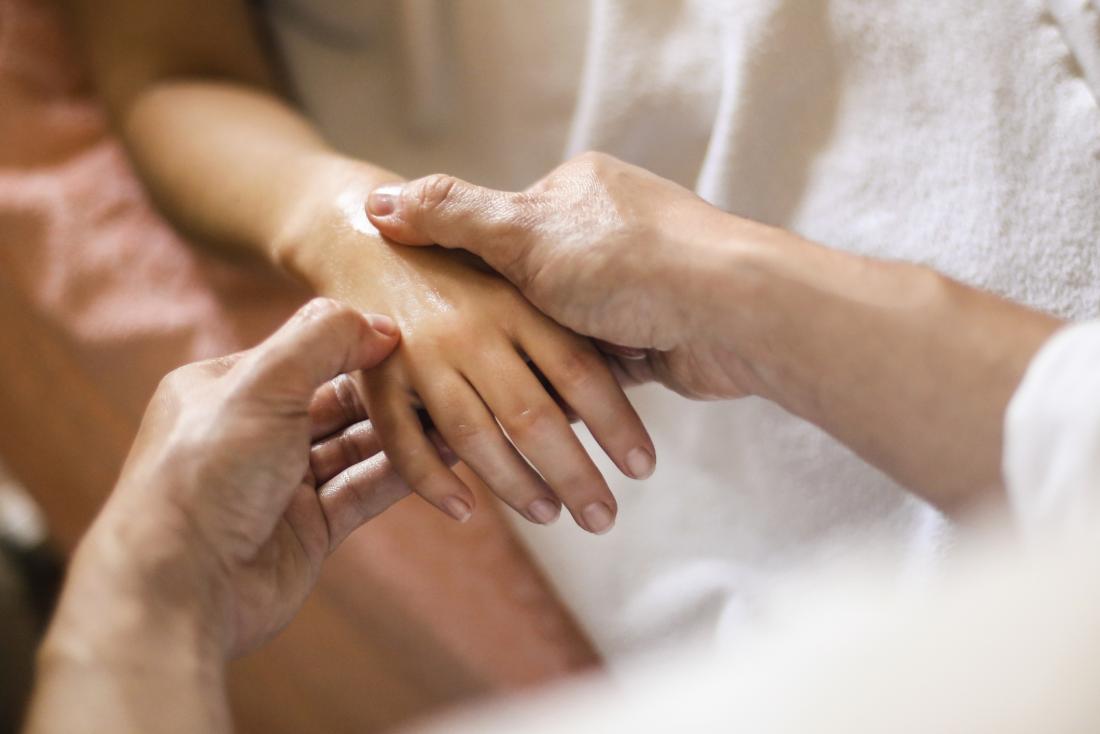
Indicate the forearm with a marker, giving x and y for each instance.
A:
(119, 658)
(191, 92)
(76, 694)
(235, 165)
(910, 369)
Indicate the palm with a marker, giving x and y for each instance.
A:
(270, 589)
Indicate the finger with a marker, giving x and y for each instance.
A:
(583, 379)
(470, 429)
(412, 453)
(364, 490)
(357, 494)
(448, 211)
(322, 340)
(358, 442)
(339, 403)
(540, 430)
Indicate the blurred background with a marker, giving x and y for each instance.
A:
(98, 299)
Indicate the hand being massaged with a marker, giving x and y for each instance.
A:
(498, 379)
(603, 247)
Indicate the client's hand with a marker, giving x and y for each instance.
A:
(486, 367)
(608, 249)
(223, 512)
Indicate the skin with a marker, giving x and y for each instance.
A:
(910, 369)
(232, 164)
(212, 538)
(246, 473)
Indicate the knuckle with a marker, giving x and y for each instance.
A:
(408, 460)
(462, 430)
(350, 452)
(434, 191)
(329, 314)
(450, 332)
(532, 419)
(348, 398)
(425, 480)
(319, 308)
(575, 368)
(176, 383)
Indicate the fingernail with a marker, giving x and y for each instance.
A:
(640, 463)
(543, 511)
(382, 324)
(382, 202)
(457, 508)
(598, 517)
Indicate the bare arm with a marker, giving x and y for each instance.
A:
(231, 163)
(190, 89)
(908, 368)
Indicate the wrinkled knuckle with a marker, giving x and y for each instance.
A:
(339, 316)
(522, 211)
(434, 192)
(328, 314)
(349, 449)
(348, 398)
(320, 308)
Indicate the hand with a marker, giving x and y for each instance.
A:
(472, 353)
(223, 512)
(605, 248)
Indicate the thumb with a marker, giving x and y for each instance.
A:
(322, 340)
(448, 211)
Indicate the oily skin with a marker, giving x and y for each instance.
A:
(232, 164)
(467, 336)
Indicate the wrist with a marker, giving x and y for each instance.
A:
(127, 662)
(720, 266)
(312, 237)
(757, 292)
(140, 581)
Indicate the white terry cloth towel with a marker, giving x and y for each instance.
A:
(959, 135)
(1052, 436)
(1015, 627)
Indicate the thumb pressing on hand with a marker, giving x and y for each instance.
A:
(447, 211)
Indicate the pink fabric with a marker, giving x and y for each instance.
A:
(99, 298)
(79, 241)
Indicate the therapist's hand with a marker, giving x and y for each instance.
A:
(605, 248)
(247, 471)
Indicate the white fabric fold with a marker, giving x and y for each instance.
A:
(1052, 436)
